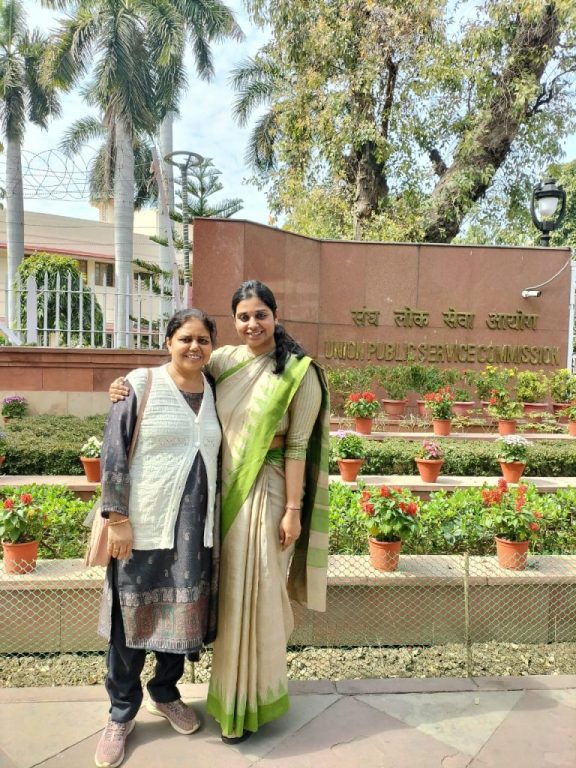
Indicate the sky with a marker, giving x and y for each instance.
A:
(206, 127)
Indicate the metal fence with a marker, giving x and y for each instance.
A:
(436, 615)
(72, 313)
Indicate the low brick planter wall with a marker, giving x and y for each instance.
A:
(429, 600)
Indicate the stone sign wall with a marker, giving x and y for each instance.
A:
(358, 303)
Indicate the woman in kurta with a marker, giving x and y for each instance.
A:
(272, 401)
(163, 536)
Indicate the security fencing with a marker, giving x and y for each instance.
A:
(435, 615)
(69, 312)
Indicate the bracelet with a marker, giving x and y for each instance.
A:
(120, 522)
(295, 509)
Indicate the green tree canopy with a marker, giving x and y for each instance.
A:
(58, 279)
(392, 119)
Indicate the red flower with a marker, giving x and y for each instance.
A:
(412, 509)
(534, 527)
(365, 495)
(26, 498)
(354, 397)
(385, 491)
(538, 514)
(369, 397)
(8, 504)
(368, 508)
(502, 484)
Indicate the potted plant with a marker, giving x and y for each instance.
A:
(512, 515)
(562, 390)
(429, 461)
(349, 450)
(395, 380)
(439, 406)
(21, 524)
(3, 446)
(512, 452)
(90, 458)
(490, 378)
(460, 382)
(532, 389)
(424, 378)
(391, 515)
(362, 406)
(506, 410)
(571, 416)
(14, 407)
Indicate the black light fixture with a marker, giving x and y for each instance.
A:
(547, 208)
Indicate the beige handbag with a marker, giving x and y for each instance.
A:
(97, 552)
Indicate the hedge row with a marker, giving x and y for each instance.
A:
(395, 456)
(48, 445)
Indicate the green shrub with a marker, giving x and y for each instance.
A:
(452, 523)
(49, 445)
(64, 534)
(395, 456)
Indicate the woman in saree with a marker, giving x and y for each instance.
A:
(272, 401)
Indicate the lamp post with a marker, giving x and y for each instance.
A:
(547, 208)
(183, 161)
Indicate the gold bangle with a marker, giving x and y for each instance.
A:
(119, 522)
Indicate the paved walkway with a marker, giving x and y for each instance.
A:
(403, 723)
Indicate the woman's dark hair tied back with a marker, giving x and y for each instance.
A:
(285, 344)
(181, 317)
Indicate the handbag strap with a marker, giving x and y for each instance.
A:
(141, 407)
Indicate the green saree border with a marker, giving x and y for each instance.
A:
(248, 462)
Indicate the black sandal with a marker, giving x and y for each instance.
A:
(236, 739)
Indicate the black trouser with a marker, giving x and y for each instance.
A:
(125, 667)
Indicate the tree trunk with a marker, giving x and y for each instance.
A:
(14, 222)
(123, 232)
(166, 253)
(371, 188)
(484, 147)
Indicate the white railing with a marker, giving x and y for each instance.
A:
(74, 314)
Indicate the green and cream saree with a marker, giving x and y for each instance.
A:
(248, 686)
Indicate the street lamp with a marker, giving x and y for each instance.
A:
(183, 161)
(547, 208)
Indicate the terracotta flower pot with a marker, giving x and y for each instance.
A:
(91, 469)
(462, 407)
(363, 425)
(394, 408)
(429, 469)
(511, 554)
(572, 428)
(512, 470)
(349, 469)
(384, 555)
(441, 427)
(422, 410)
(506, 426)
(532, 408)
(558, 410)
(20, 558)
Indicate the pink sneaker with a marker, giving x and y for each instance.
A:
(110, 749)
(182, 718)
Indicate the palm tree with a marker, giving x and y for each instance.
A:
(134, 50)
(24, 95)
(203, 23)
(256, 81)
(101, 167)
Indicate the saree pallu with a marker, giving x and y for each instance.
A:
(248, 685)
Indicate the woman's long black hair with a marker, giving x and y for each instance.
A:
(285, 344)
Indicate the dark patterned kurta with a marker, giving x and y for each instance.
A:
(168, 597)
